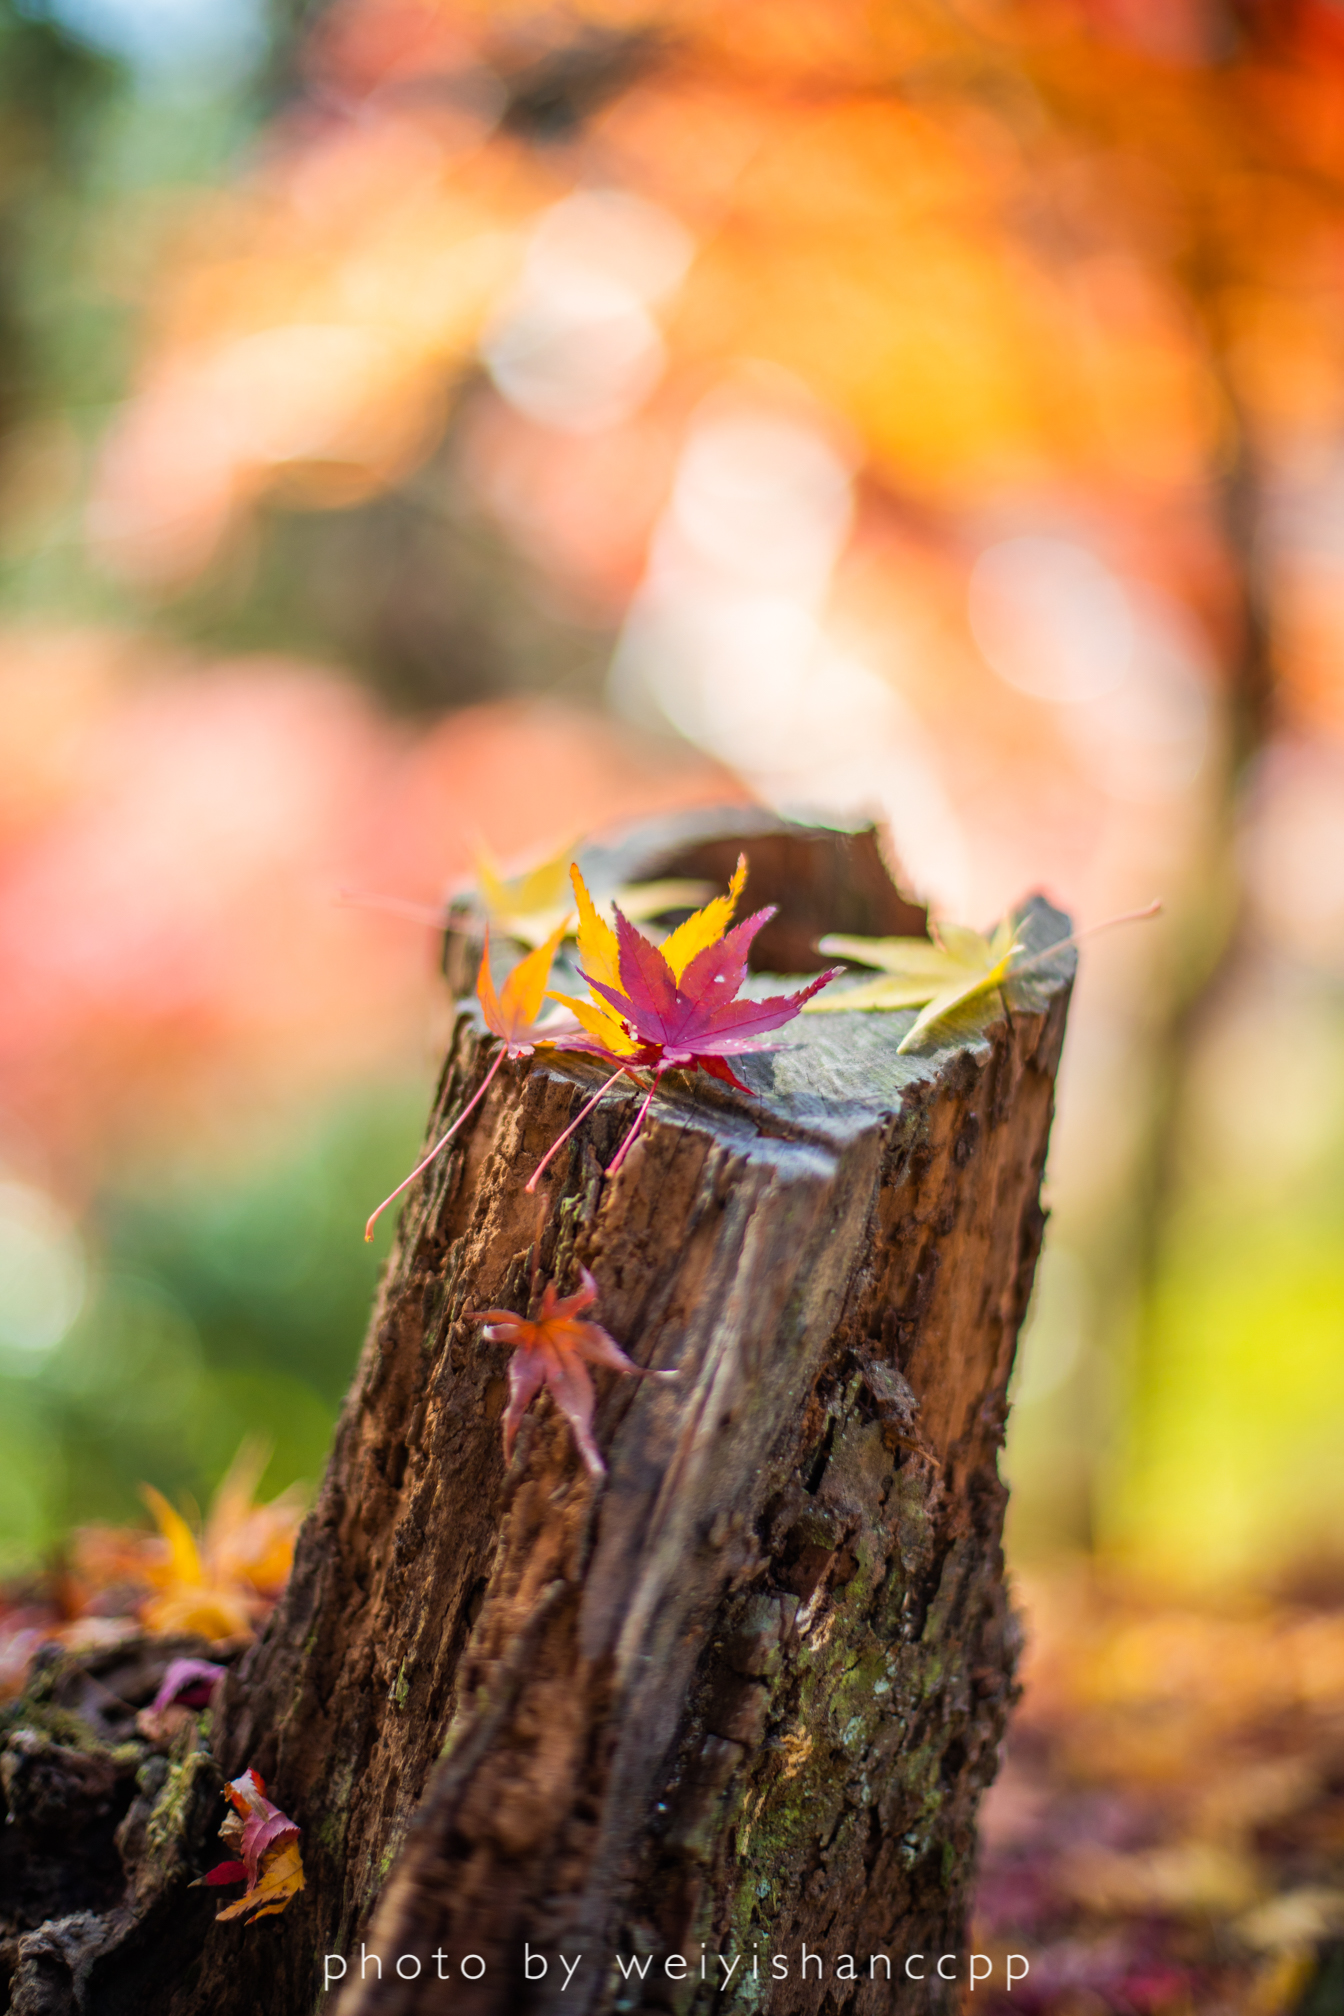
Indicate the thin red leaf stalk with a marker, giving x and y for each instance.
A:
(510, 1014)
(574, 1125)
(439, 1145)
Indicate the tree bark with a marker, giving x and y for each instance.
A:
(741, 1697)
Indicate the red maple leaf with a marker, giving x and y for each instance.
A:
(674, 1006)
(556, 1352)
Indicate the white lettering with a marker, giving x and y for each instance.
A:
(364, 1959)
(571, 1968)
(634, 1966)
(810, 1956)
(988, 1966)
(873, 1959)
(675, 1967)
(953, 1975)
(908, 1975)
(729, 1971)
(439, 1959)
(327, 1976)
(845, 1971)
(528, 1957)
(480, 1967)
(1026, 1968)
(414, 1959)
(779, 1967)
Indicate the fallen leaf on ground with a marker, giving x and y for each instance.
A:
(219, 1583)
(265, 1843)
(187, 1685)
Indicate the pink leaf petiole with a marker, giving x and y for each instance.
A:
(1153, 909)
(629, 1140)
(438, 1147)
(576, 1122)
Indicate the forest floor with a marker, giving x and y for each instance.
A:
(1167, 1830)
(1166, 1835)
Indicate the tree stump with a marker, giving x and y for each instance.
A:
(741, 1698)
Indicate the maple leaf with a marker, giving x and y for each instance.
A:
(265, 1841)
(959, 967)
(510, 1014)
(187, 1685)
(956, 969)
(555, 1351)
(529, 906)
(674, 1006)
(220, 1582)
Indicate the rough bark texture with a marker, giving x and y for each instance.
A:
(103, 1832)
(747, 1693)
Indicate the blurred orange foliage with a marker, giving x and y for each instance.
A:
(219, 1582)
(1088, 246)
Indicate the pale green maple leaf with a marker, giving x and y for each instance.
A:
(937, 977)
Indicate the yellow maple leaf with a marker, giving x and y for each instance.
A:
(599, 961)
(705, 928)
(960, 967)
(280, 1880)
(221, 1582)
(531, 905)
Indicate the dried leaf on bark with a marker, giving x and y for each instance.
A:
(555, 1352)
(266, 1846)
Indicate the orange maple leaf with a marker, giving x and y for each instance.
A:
(220, 1581)
(555, 1352)
(511, 1014)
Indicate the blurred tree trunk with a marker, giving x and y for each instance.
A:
(744, 1696)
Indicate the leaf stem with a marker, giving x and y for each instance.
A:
(576, 1122)
(629, 1140)
(406, 1181)
(1088, 931)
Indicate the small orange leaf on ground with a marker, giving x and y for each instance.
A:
(221, 1581)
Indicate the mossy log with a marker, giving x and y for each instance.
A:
(742, 1696)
